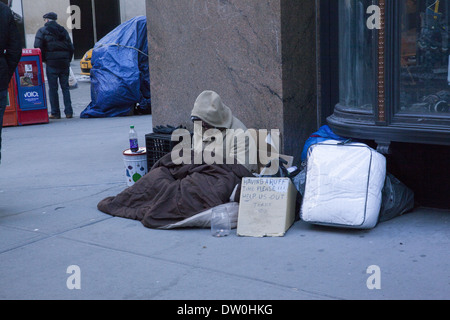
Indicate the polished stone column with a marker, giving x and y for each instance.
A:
(259, 56)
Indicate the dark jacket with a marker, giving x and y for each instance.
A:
(55, 44)
(10, 46)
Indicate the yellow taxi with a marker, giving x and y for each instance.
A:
(85, 63)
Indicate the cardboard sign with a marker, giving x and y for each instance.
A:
(267, 207)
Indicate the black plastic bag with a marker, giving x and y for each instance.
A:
(283, 172)
(299, 181)
(397, 199)
(168, 129)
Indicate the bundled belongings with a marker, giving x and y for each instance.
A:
(398, 199)
(344, 183)
(323, 134)
(172, 195)
(120, 77)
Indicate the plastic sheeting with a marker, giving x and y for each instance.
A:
(397, 199)
(120, 77)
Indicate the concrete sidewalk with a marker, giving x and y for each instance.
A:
(52, 176)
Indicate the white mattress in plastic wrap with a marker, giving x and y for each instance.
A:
(343, 185)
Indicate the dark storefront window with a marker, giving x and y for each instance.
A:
(394, 82)
(424, 85)
(389, 85)
(357, 54)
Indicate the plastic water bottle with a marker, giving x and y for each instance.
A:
(220, 222)
(134, 145)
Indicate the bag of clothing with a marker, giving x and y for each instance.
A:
(397, 198)
(343, 185)
(323, 134)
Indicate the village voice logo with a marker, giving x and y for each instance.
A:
(32, 97)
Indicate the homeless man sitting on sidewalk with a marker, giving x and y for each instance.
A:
(172, 192)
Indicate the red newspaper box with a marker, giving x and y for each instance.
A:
(31, 93)
(10, 117)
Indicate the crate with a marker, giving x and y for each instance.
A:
(158, 145)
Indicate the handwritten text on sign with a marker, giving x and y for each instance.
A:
(263, 191)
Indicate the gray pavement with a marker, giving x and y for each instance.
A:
(52, 176)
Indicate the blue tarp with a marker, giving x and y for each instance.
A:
(120, 76)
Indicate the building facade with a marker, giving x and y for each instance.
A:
(385, 79)
(86, 20)
(373, 70)
(259, 56)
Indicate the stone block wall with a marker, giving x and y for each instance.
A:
(259, 56)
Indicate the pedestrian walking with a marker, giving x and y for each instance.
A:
(10, 53)
(57, 53)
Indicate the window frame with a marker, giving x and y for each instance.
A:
(393, 44)
(385, 124)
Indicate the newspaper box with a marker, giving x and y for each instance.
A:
(10, 117)
(31, 94)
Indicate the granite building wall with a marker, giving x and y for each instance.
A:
(259, 56)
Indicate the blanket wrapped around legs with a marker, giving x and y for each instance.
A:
(171, 193)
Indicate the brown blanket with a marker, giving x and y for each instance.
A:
(170, 193)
